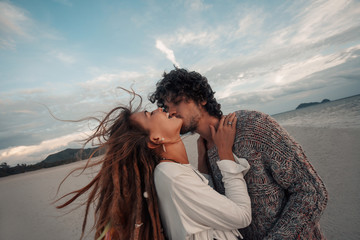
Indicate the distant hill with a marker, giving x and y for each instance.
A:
(63, 157)
(302, 105)
(69, 154)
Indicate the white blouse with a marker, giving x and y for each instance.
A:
(191, 209)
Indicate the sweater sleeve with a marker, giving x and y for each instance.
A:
(289, 166)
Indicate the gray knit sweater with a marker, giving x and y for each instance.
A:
(287, 195)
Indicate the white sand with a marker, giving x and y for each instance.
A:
(26, 211)
(335, 155)
(332, 147)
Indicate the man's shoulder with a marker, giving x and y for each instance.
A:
(251, 123)
(250, 115)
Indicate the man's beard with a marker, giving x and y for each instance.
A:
(191, 127)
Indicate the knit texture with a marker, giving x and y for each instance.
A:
(287, 195)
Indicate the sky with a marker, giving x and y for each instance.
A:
(71, 57)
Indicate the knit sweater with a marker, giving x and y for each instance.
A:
(287, 195)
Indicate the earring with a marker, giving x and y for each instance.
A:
(163, 146)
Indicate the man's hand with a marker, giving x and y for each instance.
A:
(202, 155)
(224, 136)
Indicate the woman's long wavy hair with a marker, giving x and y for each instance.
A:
(123, 190)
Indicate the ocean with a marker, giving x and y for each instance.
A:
(342, 113)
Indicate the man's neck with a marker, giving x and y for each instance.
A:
(204, 127)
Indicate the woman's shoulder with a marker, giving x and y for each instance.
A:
(169, 175)
(170, 170)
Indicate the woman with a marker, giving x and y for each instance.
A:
(142, 146)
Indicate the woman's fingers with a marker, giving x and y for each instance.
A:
(213, 131)
(232, 117)
(229, 120)
(225, 121)
(224, 136)
(234, 122)
(222, 120)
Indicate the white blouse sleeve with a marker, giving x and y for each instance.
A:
(202, 205)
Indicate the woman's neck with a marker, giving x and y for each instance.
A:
(175, 151)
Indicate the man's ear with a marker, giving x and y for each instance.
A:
(203, 103)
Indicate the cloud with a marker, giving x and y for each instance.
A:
(218, 35)
(13, 23)
(318, 21)
(12, 19)
(197, 5)
(250, 23)
(63, 57)
(259, 56)
(16, 25)
(27, 143)
(105, 84)
(323, 19)
(296, 71)
(290, 53)
(36, 153)
(206, 43)
(168, 52)
(197, 38)
(7, 44)
(265, 76)
(25, 111)
(332, 73)
(25, 121)
(31, 91)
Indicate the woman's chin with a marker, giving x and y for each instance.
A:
(180, 122)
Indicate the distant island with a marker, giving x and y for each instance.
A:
(302, 105)
(63, 157)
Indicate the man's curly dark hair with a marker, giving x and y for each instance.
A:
(191, 85)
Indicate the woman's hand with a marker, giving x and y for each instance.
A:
(224, 136)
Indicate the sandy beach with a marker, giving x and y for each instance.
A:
(329, 135)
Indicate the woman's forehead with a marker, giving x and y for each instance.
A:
(139, 117)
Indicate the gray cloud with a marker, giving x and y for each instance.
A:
(337, 77)
(25, 120)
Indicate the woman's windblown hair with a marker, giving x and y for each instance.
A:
(123, 191)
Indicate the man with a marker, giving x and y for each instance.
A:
(287, 195)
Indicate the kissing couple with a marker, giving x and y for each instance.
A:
(253, 180)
